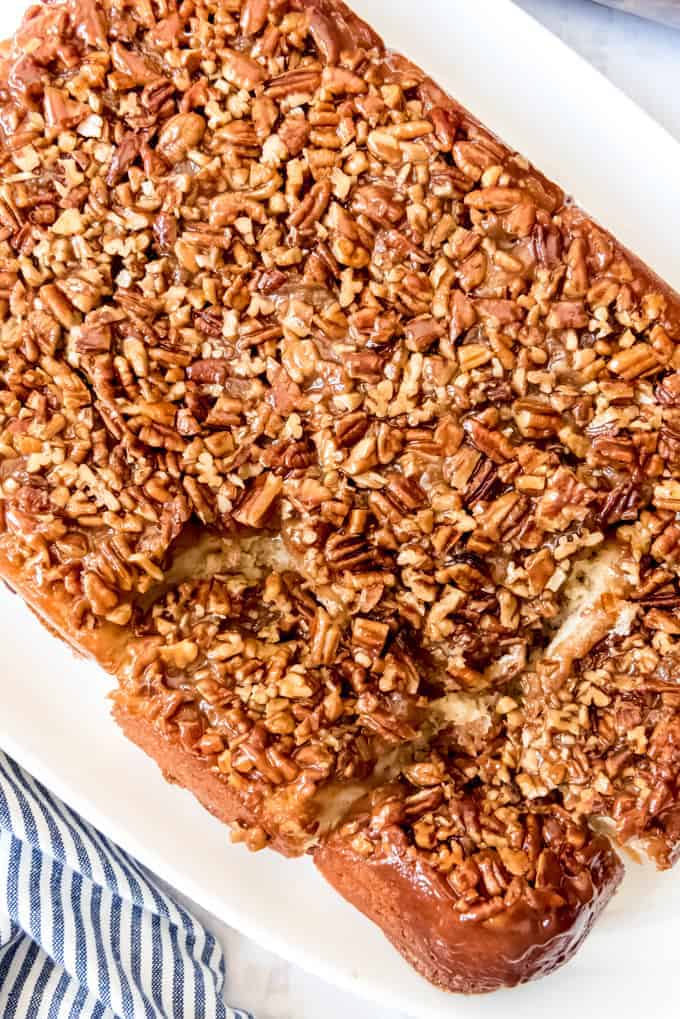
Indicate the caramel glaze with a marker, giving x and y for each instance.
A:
(414, 907)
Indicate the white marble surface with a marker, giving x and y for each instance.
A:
(642, 59)
(639, 56)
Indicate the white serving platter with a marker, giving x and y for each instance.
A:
(622, 167)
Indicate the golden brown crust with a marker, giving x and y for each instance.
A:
(106, 644)
(414, 907)
(186, 769)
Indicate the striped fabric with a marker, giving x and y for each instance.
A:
(85, 931)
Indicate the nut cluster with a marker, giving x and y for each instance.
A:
(266, 291)
(491, 854)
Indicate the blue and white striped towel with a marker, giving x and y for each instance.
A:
(85, 931)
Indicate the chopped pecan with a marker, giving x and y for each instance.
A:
(350, 428)
(536, 418)
(379, 202)
(92, 338)
(259, 500)
(125, 154)
(668, 390)
(211, 370)
(297, 83)
(62, 112)
(137, 69)
(324, 638)
(209, 321)
(405, 492)
(634, 361)
(667, 495)
(369, 636)
(481, 482)
(348, 552)
(254, 16)
(500, 311)
(547, 241)
(287, 395)
(492, 443)
(566, 500)
(294, 132)
(622, 503)
(241, 70)
(421, 333)
(365, 365)
(101, 598)
(180, 134)
(312, 207)
(90, 23)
